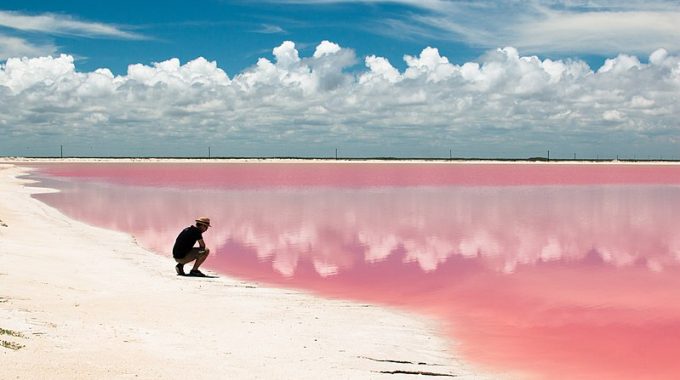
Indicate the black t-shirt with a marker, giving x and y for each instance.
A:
(185, 241)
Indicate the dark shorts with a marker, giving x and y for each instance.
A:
(194, 254)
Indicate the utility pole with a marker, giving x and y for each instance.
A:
(336, 153)
(61, 151)
(450, 154)
(548, 154)
(208, 151)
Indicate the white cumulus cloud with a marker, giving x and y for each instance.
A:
(504, 104)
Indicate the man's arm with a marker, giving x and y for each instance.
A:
(201, 244)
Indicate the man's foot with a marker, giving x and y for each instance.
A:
(179, 268)
(196, 273)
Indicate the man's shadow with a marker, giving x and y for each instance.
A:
(191, 275)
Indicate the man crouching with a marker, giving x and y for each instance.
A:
(184, 250)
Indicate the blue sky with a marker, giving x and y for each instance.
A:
(372, 78)
(236, 33)
(233, 33)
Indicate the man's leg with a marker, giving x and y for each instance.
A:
(190, 256)
(201, 258)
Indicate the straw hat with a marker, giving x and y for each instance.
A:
(203, 220)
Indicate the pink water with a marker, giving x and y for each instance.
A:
(550, 271)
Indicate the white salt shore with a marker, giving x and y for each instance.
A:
(80, 302)
(426, 161)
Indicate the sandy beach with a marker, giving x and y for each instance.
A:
(78, 301)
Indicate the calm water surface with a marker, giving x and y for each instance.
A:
(548, 271)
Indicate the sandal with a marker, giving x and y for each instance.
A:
(179, 268)
(196, 273)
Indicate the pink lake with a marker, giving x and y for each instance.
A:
(542, 270)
